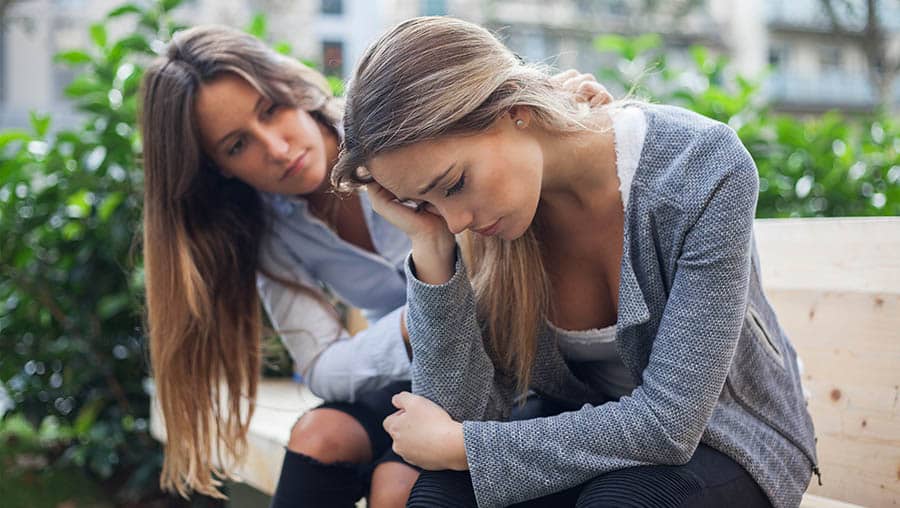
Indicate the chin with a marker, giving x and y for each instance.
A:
(514, 233)
(316, 180)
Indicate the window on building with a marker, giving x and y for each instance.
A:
(332, 7)
(433, 7)
(333, 58)
(778, 56)
(67, 34)
(830, 58)
(3, 72)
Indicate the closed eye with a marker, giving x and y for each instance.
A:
(457, 187)
(270, 110)
(236, 147)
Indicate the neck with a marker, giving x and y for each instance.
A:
(323, 201)
(579, 171)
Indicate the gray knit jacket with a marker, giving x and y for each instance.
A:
(704, 347)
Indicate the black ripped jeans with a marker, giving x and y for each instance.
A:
(307, 483)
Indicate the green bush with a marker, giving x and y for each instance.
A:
(70, 201)
(826, 166)
(72, 350)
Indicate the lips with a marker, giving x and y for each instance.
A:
(295, 166)
(489, 230)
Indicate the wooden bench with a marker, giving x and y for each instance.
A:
(835, 284)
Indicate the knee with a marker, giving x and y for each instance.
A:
(391, 484)
(329, 435)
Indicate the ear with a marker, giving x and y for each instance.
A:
(520, 116)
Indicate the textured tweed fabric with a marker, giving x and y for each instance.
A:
(707, 354)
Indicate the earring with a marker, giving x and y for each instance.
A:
(520, 123)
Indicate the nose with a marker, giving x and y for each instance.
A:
(276, 145)
(458, 220)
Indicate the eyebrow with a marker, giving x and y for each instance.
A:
(258, 105)
(437, 180)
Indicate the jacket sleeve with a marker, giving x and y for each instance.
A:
(335, 365)
(450, 365)
(662, 421)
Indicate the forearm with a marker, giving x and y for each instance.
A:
(369, 360)
(450, 365)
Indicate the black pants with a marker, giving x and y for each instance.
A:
(710, 479)
(306, 483)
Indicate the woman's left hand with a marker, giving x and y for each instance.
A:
(425, 435)
(584, 86)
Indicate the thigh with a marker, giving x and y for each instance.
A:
(453, 489)
(725, 482)
(709, 479)
(442, 489)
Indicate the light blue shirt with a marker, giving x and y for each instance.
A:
(301, 248)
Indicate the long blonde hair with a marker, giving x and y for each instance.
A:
(201, 240)
(431, 77)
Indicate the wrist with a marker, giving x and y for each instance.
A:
(434, 258)
(458, 460)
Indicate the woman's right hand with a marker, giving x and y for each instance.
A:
(415, 223)
(433, 245)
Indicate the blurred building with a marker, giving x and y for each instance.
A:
(815, 67)
(562, 33)
(331, 33)
(812, 67)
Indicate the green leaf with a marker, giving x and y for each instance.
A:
(336, 84)
(40, 123)
(78, 205)
(257, 26)
(168, 5)
(98, 34)
(87, 416)
(10, 135)
(133, 42)
(73, 230)
(109, 306)
(283, 48)
(82, 86)
(51, 430)
(610, 43)
(700, 55)
(122, 10)
(18, 426)
(109, 205)
(74, 57)
(647, 42)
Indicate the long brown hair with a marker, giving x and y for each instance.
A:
(431, 77)
(201, 241)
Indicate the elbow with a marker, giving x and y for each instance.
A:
(328, 386)
(678, 450)
(316, 387)
(681, 453)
